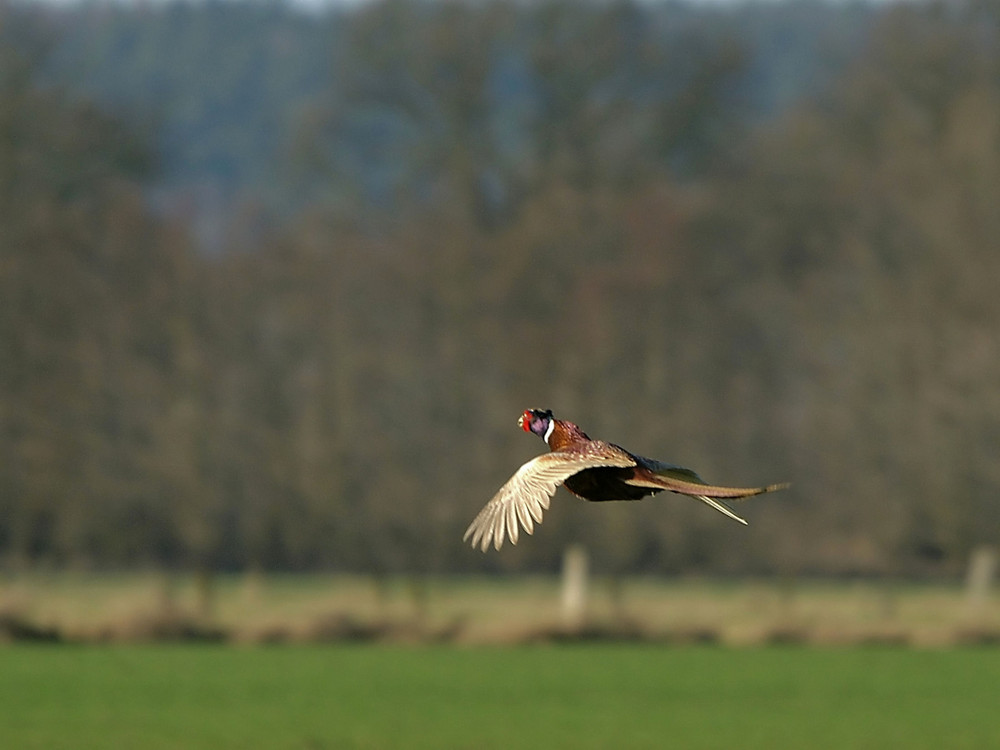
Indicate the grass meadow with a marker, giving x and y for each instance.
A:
(312, 662)
(557, 696)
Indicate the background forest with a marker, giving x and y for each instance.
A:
(275, 284)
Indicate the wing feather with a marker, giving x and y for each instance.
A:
(512, 522)
(524, 517)
(527, 494)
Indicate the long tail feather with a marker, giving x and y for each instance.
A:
(686, 482)
(696, 489)
(721, 507)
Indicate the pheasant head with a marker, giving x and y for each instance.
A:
(537, 421)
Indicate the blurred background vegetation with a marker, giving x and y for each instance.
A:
(275, 283)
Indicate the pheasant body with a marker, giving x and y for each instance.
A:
(591, 469)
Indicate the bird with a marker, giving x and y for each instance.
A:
(590, 469)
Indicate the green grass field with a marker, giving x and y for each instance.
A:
(607, 696)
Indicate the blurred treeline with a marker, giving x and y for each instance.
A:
(257, 313)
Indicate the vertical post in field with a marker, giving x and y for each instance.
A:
(979, 579)
(574, 585)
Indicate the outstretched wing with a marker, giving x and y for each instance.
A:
(678, 479)
(526, 494)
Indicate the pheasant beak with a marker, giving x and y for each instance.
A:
(524, 422)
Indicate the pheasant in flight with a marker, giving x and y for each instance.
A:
(591, 469)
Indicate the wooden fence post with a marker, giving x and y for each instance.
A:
(979, 579)
(574, 585)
